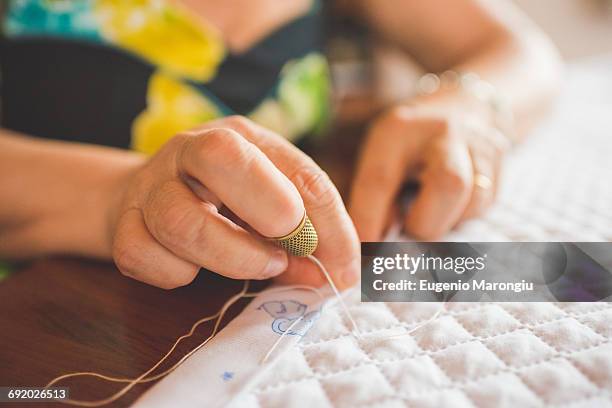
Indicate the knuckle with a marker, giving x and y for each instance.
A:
(217, 141)
(174, 144)
(316, 187)
(416, 116)
(178, 140)
(239, 122)
(228, 146)
(179, 226)
(127, 259)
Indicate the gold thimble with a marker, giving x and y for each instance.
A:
(302, 241)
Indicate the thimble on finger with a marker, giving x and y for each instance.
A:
(302, 241)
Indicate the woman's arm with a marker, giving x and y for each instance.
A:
(55, 196)
(444, 140)
(159, 218)
(492, 39)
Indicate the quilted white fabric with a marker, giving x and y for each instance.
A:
(558, 186)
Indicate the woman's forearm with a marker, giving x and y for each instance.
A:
(525, 70)
(54, 196)
(493, 40)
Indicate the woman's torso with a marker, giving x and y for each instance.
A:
(136, 72)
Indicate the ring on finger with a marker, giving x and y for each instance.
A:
(483, 182)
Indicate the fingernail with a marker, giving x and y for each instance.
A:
(276, 264)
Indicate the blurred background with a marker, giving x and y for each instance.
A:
(580, 28)
(368, 70)
(573, 142)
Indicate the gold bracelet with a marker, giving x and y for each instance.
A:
(482, 91)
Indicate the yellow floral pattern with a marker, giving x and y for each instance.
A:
(172, 107)
(186, 53)
(171, 38)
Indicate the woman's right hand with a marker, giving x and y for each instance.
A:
(165, 222)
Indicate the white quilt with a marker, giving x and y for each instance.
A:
(558, 186)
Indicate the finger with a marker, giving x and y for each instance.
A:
(446, 187)
(500, 145)
(301, 271)
(390, 154)
(138, 255)
(485, 180)
(244, 179)
(338, 244)
(487, 146)
(201, 191)
(195, 231)
(379, 176)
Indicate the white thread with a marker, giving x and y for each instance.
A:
(417, 327)
(348, 314)
(277, 342)
(143, 378)
(219, 316)
(292, 325)
(125, 380)
(135, 381)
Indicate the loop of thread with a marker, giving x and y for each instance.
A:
(219, 317)
(330, 282)
(139, 379)
(356, 332)
(143, 377)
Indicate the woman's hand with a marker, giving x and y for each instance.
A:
(167, 221)
(455, 158)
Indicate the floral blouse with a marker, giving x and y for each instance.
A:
(189, 75)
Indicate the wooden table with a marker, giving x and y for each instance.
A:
(66, 315)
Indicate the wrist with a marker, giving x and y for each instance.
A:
(112, 199)
(467, 93)
(89, 220)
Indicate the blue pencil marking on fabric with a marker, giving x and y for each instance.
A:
(227, 375)
(285, 312)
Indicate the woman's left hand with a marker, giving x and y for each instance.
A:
(455, 158)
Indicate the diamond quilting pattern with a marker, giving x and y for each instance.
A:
(521, 364)
(558, 382)
(484, 354)
(520, 348)
(468, 360)
(487, 320)
(415, 375)
(595, 363)
(501, 390)
(361, 385)
(334, 355)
